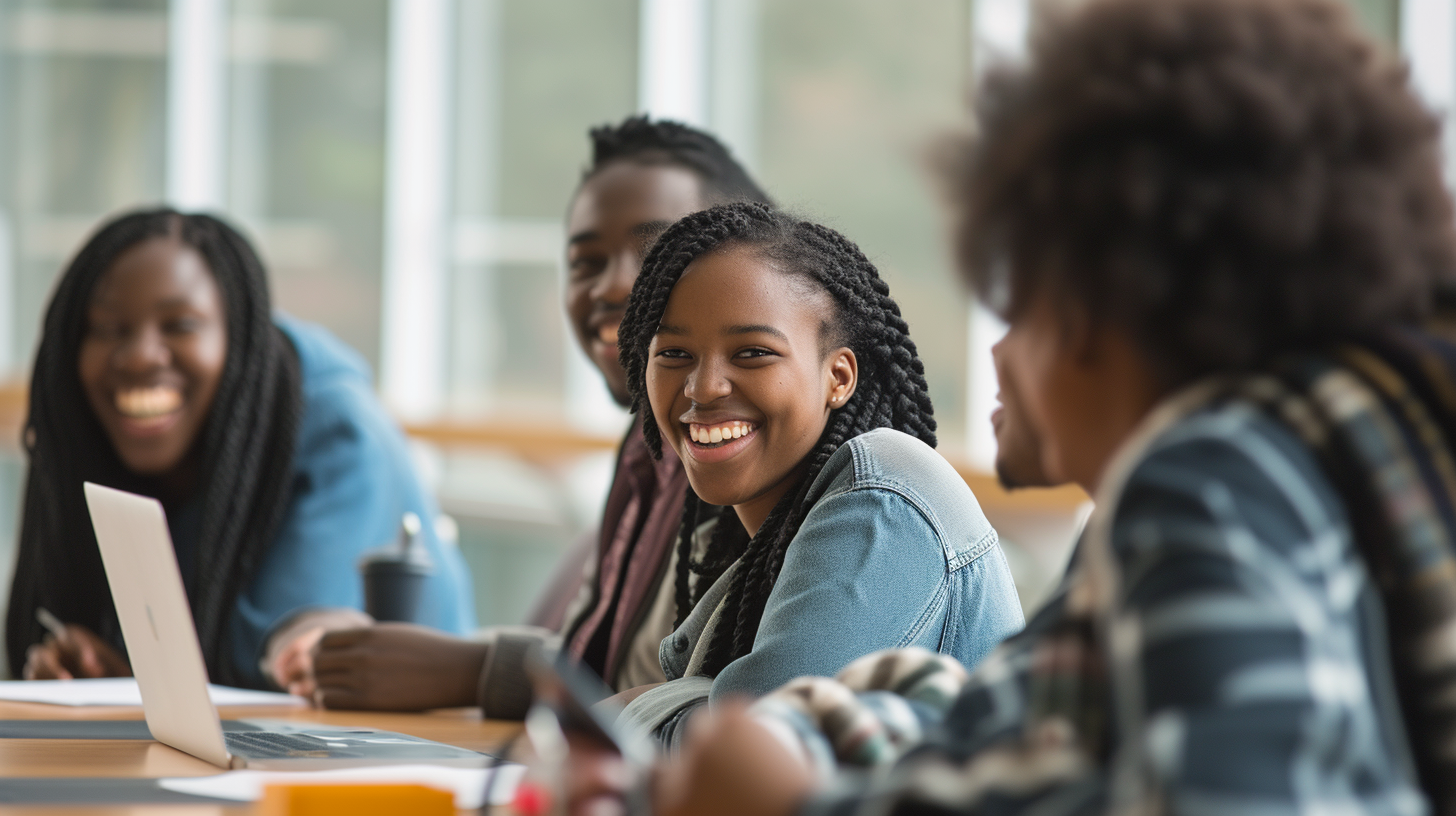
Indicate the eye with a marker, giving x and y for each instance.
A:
(105, 329)
(672, 354)
(586, 266)
(182, 325)
(755, 353)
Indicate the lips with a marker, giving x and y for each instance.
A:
(710, 443)
(608, 334)
(148, 410)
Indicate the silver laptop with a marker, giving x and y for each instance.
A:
(161, 640)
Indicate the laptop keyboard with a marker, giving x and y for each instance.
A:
(275, 745)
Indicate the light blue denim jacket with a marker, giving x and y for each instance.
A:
(894, 552)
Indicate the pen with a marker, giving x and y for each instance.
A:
(50, 622)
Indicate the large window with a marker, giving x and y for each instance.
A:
(405, 166)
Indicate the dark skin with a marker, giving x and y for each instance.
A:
(150, 363)
(755, 363)
(1071, 394)
(613, 219)
(752, 362)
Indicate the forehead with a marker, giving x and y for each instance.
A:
(156, 269)
(737, 287)
(624, 194)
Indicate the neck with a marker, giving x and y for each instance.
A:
(1126, 391)
(178, 485)
(754, 512)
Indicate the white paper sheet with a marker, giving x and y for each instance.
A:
(123, 691)
(468, 784)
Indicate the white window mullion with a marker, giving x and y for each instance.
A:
(197, 61)
(673, 60)
(1428, 39)
(998, 31)
(416, 203)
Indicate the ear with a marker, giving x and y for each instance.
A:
(841, 372)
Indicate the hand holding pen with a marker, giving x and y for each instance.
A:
(70, 651)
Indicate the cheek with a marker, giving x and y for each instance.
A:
(662, 385)
(206, 357)
(577, 304)
(1030, 374)
(91, 364)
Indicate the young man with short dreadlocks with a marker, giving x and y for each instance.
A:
(613, 602)
(820, 525)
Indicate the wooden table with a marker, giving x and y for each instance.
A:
(143, 759)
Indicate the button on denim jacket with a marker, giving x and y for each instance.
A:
(894, 552)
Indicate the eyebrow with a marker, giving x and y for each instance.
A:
(752, 328)
(650, 229)
(582, 237)
(105, 302)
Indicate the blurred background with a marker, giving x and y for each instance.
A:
(404, 166)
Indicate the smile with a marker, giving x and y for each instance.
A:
(716, 443)
(148, 403)
(720, 433)
(608, 334)
(148, 411)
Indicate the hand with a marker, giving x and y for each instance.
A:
(292, 667)
(80, 653)
(732, 764)
(597, 778)
(396, 667)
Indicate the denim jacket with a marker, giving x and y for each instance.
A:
(894, 552)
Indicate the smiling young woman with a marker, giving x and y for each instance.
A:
(162, 370)
(820, 525)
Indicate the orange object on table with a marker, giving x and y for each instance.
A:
(355, 800)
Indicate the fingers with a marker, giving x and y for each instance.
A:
(42, 662)
(342, 639)
(86, 655)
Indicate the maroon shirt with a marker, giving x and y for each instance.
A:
(634, 546)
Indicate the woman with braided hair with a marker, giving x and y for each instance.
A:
(820, 525)
(163, 371)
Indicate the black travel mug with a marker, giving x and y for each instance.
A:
(395, 575)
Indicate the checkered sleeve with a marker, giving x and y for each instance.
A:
(1239, 669)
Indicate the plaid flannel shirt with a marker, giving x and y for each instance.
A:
(1241, 665)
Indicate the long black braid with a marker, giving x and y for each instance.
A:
(891, 392)
(246, 446)
(645, 141)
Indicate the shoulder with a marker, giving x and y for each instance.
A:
(898, 468)
(340, 409)
(323, 359)
(1225, 469)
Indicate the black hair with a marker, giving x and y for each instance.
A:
(642, 140)
(891, 392)
(244, 449)
(1222, 179)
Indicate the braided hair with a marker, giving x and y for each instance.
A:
(891, 393)
(642, 140)
(245, 447)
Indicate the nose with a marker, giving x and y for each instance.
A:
(615, 284)
(142, 351)
(707, 382)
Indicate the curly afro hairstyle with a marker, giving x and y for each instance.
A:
(891, 392)
(1222, 179)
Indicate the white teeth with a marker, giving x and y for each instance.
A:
(608, 334)
(714, 434)
(149, 402)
